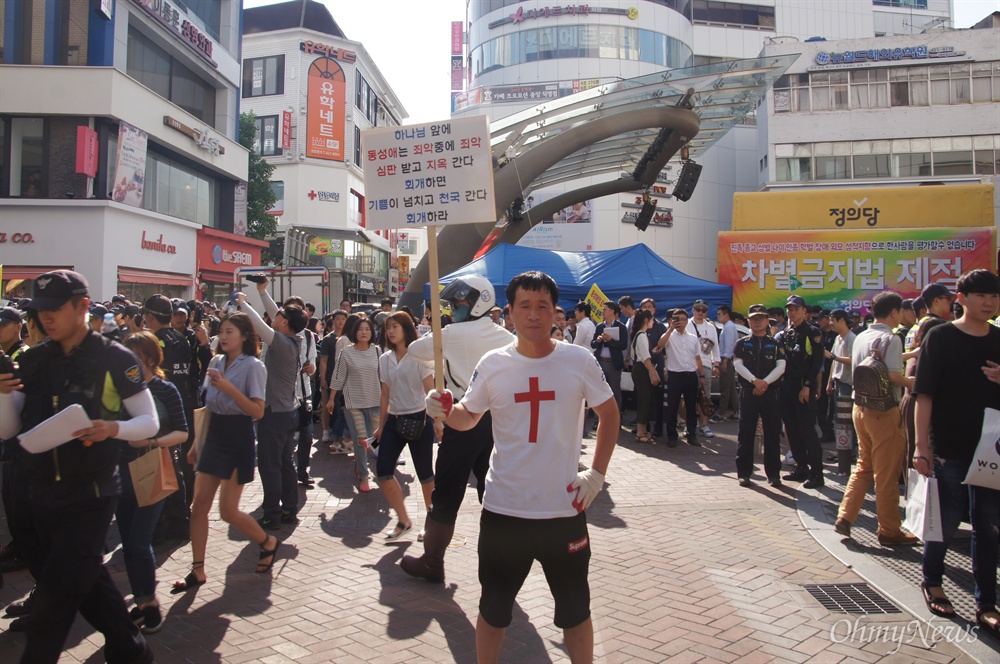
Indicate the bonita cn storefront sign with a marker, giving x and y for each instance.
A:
(157, 245)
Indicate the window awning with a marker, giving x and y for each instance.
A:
(29, 272)
(215, 276)
(131, 275)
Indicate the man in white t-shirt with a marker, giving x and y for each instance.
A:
(708, 340)
(585, 327)
(684, 376)
(535, 498)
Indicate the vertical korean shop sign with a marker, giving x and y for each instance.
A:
(325, 119)
(440, 173)
(130, 170)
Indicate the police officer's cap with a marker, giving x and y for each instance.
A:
(795, 301)
(757, 310)
(54, 289)
(98, 310)
(10, 315)
(159, 305)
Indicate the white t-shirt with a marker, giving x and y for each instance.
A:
(707, 331)
(406, 382)
(537, 409)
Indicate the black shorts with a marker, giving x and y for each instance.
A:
(507, 547)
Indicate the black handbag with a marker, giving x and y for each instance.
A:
(410, 427)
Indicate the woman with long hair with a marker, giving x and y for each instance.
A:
(907, 405)
(356, 374)
(136, 524)
(235, 384)
(342, 442)
(644, 375)
(403, 420)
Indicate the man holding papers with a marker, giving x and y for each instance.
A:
(609, 344)
(74, 486)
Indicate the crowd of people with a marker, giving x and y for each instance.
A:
(231, 391)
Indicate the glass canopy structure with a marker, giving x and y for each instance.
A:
(630, 128)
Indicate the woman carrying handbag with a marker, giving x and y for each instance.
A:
(644, 374)
(136, 524)
(403, 420)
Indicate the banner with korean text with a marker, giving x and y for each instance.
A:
(326, 108)
(438, 173)
(845, 268)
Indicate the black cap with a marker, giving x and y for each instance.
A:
(757, 310)
(700, 303)
(822, 313)
(932, 291)
(179, 305)
(131, 310)
(54, 289)
(98, 310)
(159, 305)
(119, 298)
(10, 315)
(795, 301)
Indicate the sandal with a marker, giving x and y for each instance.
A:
(190, 581)
(992, 628)
(645, 438)
(400, 530)
(945, 609)
(262, 567)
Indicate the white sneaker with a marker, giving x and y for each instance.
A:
(327, 436)
(705, 431)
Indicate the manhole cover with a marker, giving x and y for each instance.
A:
(856, 598)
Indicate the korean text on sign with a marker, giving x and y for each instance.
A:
(436, 173)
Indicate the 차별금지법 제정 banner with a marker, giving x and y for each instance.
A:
(845, 268)
(439, 173)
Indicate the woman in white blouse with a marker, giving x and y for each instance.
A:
(644, 374)
(357, 375)
(402, 420)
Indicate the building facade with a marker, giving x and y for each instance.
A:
(520, 53)
(314, 91)
(120, 158)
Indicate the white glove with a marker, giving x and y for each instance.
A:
(439, 404)
(587, 485)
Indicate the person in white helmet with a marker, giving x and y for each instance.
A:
(472, 335)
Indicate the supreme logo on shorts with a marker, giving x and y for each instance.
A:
(579, 545)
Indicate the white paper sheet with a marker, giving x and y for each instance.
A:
(612, 332)
(56, 430)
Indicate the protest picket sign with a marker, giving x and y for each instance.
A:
(596, 298)
(429, 175)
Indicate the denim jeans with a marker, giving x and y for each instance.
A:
(984, 507)
(362, 423)
(136, 525)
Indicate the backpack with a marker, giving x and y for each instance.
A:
(872, 388)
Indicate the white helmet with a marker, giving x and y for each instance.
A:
(474, 289)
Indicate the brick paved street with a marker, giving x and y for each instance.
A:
(687, 566)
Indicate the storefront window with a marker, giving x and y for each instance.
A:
(141, 292)
(27, 165)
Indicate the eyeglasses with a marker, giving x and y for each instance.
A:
(701, 310)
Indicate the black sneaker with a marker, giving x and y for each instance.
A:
(798, 475)
(672, 442)
(268, 524)
(289, 518)
(775, 482)
(21, 608)
(306, 481)
(152, 619)
(744, 481)
(693, 441)
(814, 482)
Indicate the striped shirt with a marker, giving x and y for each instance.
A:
(357, 375)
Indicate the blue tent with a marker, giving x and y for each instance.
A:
(635, 271)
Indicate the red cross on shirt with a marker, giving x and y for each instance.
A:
(535, 397)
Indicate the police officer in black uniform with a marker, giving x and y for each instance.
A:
(75, 486)
(803, 346)
(759, 363)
